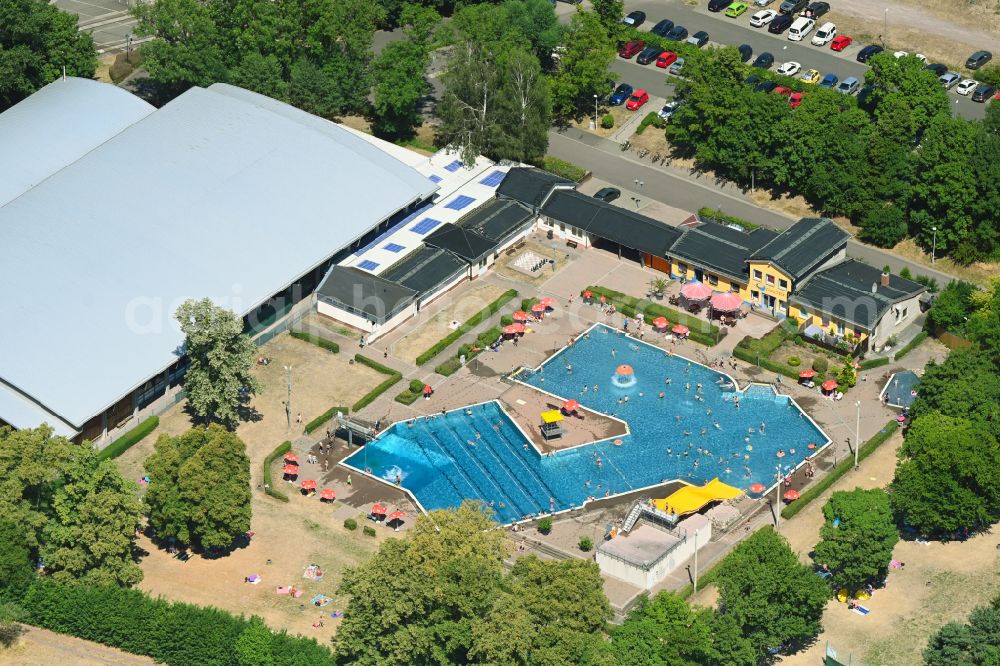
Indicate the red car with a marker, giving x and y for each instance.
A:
(795, 99)
(840, 42)
(666, 59)
(782, 90)
(632, 48)
(638, 98)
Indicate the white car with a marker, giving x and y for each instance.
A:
(966, 86)
(824, 35)
(762, 18)
(900, 54)
(762, 3)
(789, 68)
(921, 57)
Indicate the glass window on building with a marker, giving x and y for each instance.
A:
(713, 280)
(770, 279)
(781, 306)
(682, 269)
(757, 275)
(840, 328)
(783, 284)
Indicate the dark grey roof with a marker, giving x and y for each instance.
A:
(803, 246)
(720, 248)
(364, 294)
(465, 243)
(424, 269)
(530, 185)
(611, 222)
(845, 292)
(497, 219)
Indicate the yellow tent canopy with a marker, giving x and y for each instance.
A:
(692, 498)
(552, 416)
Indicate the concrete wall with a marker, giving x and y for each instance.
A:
(373, 330)
(679, 553)
(898, 317)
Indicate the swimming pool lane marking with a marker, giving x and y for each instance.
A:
(476, 490)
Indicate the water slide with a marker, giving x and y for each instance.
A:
(691, 498)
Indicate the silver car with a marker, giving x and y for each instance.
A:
(762, 3)
(949, 80)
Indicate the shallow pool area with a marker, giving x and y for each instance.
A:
(699, 429)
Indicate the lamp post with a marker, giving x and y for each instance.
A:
(288, 402)
(933, 244)
(777, 499)
(695, 591)
(595, 111)
(857, 434)
(885, 26)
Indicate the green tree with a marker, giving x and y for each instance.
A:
(948, 476)
(37, 40)
(525, 109)
(253, 647)
(399, 86)
(338, 38)
(909, 81)
(848, 375)
(883, 225)
(806, 137)
(262, 74)
(984, 324)
(976, 643)
(985, 163)
(952, 306)
(311, 89)
(775, 600)
(857, 538)
(16, 568)
(582, 70)
(219, 381)
(610, 14)
(965, 385)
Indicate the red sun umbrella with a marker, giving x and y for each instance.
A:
(791, 495)
(696, 291)
(308, 484)
(290, 470)
(661, 322)
(328, 494)
(379, 510)
(829, 384)
(548, 302)
(807, 374)
(520, 315)
(570, 406)
(538, 307)
(513, 329)
(291, 458)
(726, 301)
(427, 389)
(757, 488)
(395, 515)
(588, 293)
(624, 369)
(680, 329)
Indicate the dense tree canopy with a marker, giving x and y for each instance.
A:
(976, 643)
(965, 385)
(582, 70)
(952, 307)
(37, 40)
(857, 537)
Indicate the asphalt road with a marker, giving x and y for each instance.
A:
(733, 32)
(109, 21)
(608, 163)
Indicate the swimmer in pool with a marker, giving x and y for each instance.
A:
(662, 394)
(703, 431)
(716, 424)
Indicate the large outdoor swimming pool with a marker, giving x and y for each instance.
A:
(693, 434)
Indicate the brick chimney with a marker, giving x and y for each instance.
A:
(885, 279)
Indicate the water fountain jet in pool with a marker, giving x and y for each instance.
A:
(624, 376)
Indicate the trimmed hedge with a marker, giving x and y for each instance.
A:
(873, 363)
(316, 340)
(368, 398)
(651, 118)
(324, 417)
(473, 321)
(449, 367)
(178, 634)
(282, 449)
(563, 168)
(842, 468)
(716, 215)
(911, 345)
(702, 332)
(129, 439)
(526, 304)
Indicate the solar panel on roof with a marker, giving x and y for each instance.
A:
(394, 247)
(454, 166)
(460, 202)
(367, 265)
(424, 225)
(493, 179)
(435, 178)
(391, 230)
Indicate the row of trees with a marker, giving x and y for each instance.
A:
(898, 167)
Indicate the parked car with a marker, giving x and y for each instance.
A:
(746, 52)
(840, 42)
(790, 68)
(678, 33)
(800, 28)
(849, 86)
(783, 90)
(765, 86)
(638, 98)
(736, 9)
(662, 27)
(635, 19)
(753, 79)
(780, 24)
(900, 54)
(621, 93)
(666, 59)
(938, 68)
(668, 109)
(718, 5)
(762, 18)
(983, 93)
(810, 76)
(764, 61)
(978, 59)
(699, 39)
(816, 9)
(966, 86)
(648, 55)
(762, 3)
(949, 80)
(792, 6)
(829, 81)
(795, 99)
(677, 66)
(824, 35)
(867, 52)
(632, 48)
(607, 194)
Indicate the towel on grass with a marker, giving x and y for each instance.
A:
(861, 610)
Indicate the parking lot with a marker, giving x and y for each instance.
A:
(108, 21)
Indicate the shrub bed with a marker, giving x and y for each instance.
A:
(473, 321)
(651, 118)
(526, 304)
(368, 530)
(448, 367)
(351, 524)
(324, 417)
(269, 488)
(316, 340)
(873, 363)
(702, 332)
(129, 439)
(911, 345)
(607, 121)
(562, 168)
(715, 215)
(368, 398)
(842, 468)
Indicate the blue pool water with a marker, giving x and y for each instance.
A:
(479, 453)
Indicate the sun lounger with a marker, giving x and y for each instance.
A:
(861, 610)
